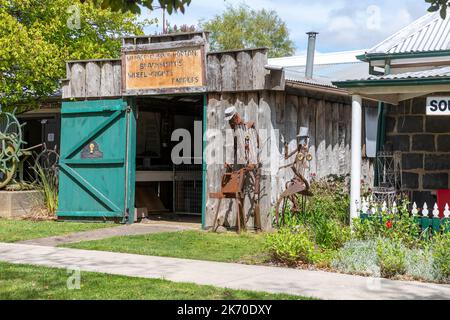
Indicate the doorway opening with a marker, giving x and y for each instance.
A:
(169, 181)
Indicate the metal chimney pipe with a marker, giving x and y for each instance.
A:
(310, 55)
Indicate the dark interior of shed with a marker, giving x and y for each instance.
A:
(163, 187)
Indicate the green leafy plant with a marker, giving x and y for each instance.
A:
(291, 246)
(391, 258)
(326, 213)
(47, 183)
(441, 255)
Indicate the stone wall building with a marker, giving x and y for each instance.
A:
(410, 80)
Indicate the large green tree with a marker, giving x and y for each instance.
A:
(242, 27)
(439, 5)
(134, 5)
(38, 36)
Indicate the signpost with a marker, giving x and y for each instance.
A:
(438, 106)
(172, 70)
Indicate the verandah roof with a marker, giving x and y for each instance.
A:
(395, 88)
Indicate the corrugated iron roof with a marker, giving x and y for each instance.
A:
(428, 33)
(425, 74)
(319, 58)
(324, 75)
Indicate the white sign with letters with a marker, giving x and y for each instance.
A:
(438, 106)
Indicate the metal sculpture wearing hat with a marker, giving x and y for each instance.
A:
(246, 168)
(293, 198)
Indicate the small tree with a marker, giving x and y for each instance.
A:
(242, 27)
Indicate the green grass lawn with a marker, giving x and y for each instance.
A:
(230, 247)
(18, 230)
(22, 282)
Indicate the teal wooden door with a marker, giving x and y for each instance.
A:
(97, 160)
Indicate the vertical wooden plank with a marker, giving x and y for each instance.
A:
(214, 73)
(66, 87)
(291, 131)
(303, 117)
(328, 139)
(259, 71)
(212, 168)
(228, 208)
(107, 80)
(228, 67)
(244, 79)
(280, 105)
(78, 80)
(270, 156)
(117, 70)
(320, 138)
(312, 110)
(93, 76)
(335, 138)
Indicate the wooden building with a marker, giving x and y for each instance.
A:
(119, 118)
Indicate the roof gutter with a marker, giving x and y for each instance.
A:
(391, 82)
(382, 56)
(317, 88)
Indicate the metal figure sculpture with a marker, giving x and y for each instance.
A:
(298, 187)
(12, 155)
(246, 167)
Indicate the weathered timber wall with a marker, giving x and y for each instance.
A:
(227, 71)
(92, 79)
(278, 117)
(424, 142)
(241, 70)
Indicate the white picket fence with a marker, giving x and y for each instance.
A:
(371, 207)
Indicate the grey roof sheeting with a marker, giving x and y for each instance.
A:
(426, 74)
(326, 74)
(428, 33)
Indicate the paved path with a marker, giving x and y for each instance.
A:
(317, 284)
(103, 233)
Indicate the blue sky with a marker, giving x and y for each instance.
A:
(343, 24)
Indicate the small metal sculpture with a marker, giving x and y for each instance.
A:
(12, 155)
(298, 185)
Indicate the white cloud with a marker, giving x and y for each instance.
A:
(343, 24)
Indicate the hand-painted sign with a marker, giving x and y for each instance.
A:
(438, 106)
(164, 69)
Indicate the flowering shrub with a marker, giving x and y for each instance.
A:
(399, 226)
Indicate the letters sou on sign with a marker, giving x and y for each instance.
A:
(438, 106)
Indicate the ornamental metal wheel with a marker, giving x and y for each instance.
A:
(46, 162)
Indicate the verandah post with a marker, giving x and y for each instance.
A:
(355, 188)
